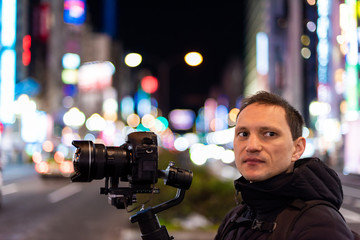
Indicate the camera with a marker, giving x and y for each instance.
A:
(135, 162)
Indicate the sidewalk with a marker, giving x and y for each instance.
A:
(350, 180)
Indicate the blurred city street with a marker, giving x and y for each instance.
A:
(95, 72)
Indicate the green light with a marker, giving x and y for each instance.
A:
(351, 88)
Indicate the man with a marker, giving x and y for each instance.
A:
(268, 143)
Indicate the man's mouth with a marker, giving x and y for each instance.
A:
(253, 161)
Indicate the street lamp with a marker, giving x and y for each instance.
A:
(133, 59)
(193, 59)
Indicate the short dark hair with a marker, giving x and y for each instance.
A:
(293, 117)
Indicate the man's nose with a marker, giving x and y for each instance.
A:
(253, 144)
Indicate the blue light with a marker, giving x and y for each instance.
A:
(323, 48)
(7, 60)
(143, 107)
(221, 114)
(262, 53)
(71, 61)
(8, 23)
(74, 11)
(7, 85)
(127, 107)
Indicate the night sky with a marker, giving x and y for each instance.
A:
(167, 33)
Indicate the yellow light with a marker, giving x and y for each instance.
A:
(69, 76)
(232, 116)
(338, 75)
(193, 59)
(343, 107)
(311, 2)
(344, 49)
(305, 40)
(133, 120)
(133, 59)
(148, 121)
(305, 53)
(111, 116)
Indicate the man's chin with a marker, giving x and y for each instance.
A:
(254, 177)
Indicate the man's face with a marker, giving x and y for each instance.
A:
(263, 143)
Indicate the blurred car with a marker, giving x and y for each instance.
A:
(53, 164)
(1, 184)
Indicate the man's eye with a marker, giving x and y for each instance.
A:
(242, 134)
(270, 134)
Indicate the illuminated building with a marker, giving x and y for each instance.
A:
(272, 60)
(347, 80)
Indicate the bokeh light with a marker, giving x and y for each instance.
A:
(96, 123)
(232, 116)
(148, 121)
(149, 84)
(228, 156)
(59, 157)
(37, 157)
(311, 26)
(193, 59)
(133, 120)
(74, 117)
(305, 53)
(71, 61)
(133, 59)
(161, 124)
(181, 144)
(182, 119)
(48, 146)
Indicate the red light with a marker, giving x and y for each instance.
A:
(149, 84)
(42, 167)
(59, 157)
(26, 55)
(26, 58)
(26, 42)
(66, 168)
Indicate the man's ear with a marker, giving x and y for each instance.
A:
(299, 148)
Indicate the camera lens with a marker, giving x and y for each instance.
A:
(89, 161)
(95, 161)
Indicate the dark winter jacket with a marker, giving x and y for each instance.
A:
(310, 180)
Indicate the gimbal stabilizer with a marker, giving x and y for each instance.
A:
(135, 162)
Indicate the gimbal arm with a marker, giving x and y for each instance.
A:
(148, 222)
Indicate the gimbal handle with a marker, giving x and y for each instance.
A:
(148, 222)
